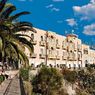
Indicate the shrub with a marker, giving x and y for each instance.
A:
(24, 73)
(70, 76)
(48, 81)
(2, 78)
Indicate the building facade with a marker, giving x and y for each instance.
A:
(56, 50)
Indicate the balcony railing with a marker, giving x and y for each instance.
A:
(51, 56)
(57, 46)
(79, 49)
(42, 56)
(71, 58)
(64, 58)
(79, 59)
(33, 42)
(33, 55)
(64, 47)
(58, 57)
(42, 43)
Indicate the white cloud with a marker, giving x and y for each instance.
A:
(92, 1)
(49, 6)
(89, 30)
(71, 22)
(55, 9)
(58, 0)
(86, 12)
(52, 8)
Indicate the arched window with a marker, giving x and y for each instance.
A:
(32, 36)
(42, 51)
(85, 51)
(69, 66)
(86, 63)
(57, 41)
(41, 38)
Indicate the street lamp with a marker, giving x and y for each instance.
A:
(46, 46)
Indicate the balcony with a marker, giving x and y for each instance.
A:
(33, 42)
(42, 43)
(71, 58)
(58, 57)
(42, 56)
(79, 59)
(51, 56)
(75, 49)
(64, 47)
(64, 58)
(57, 46)
(33, 55)
(79, 49)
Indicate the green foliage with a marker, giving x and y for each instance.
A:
(70, 76)
(48, 81)
(86, 79)
(2, 78)
(82, 93)
(12, 41)
(24, 73)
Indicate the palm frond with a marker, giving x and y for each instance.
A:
(7, 12)
(18, 15)
(20, 24)
(2, 4)
(19, 29)
(23, 35)
(20, 53)
(26, 43)
(4, 28)
(11, 51)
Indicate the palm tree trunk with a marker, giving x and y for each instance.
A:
(2, 63)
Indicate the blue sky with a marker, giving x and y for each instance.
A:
(61, 16)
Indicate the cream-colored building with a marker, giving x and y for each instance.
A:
(57, 51)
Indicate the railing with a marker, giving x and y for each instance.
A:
(33, 42)
(58, 57)
(42, 43)
(42, 56)
(51, 56)
(33, 55)
(57, 46)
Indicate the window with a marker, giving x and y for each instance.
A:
(85, 51)
(79, 66)
(74, 66)
(50, 52)
(69, 66)
(32, 36)
(41, 38)
(79, 56)
(57, 53)
(41, 51)
(71, 41)
(57, 41)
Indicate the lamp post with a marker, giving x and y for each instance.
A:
(46, 47)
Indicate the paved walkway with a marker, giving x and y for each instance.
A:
(11, 86)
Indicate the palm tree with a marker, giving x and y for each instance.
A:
(12, 41)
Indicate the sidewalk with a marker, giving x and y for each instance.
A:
(11, 86)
